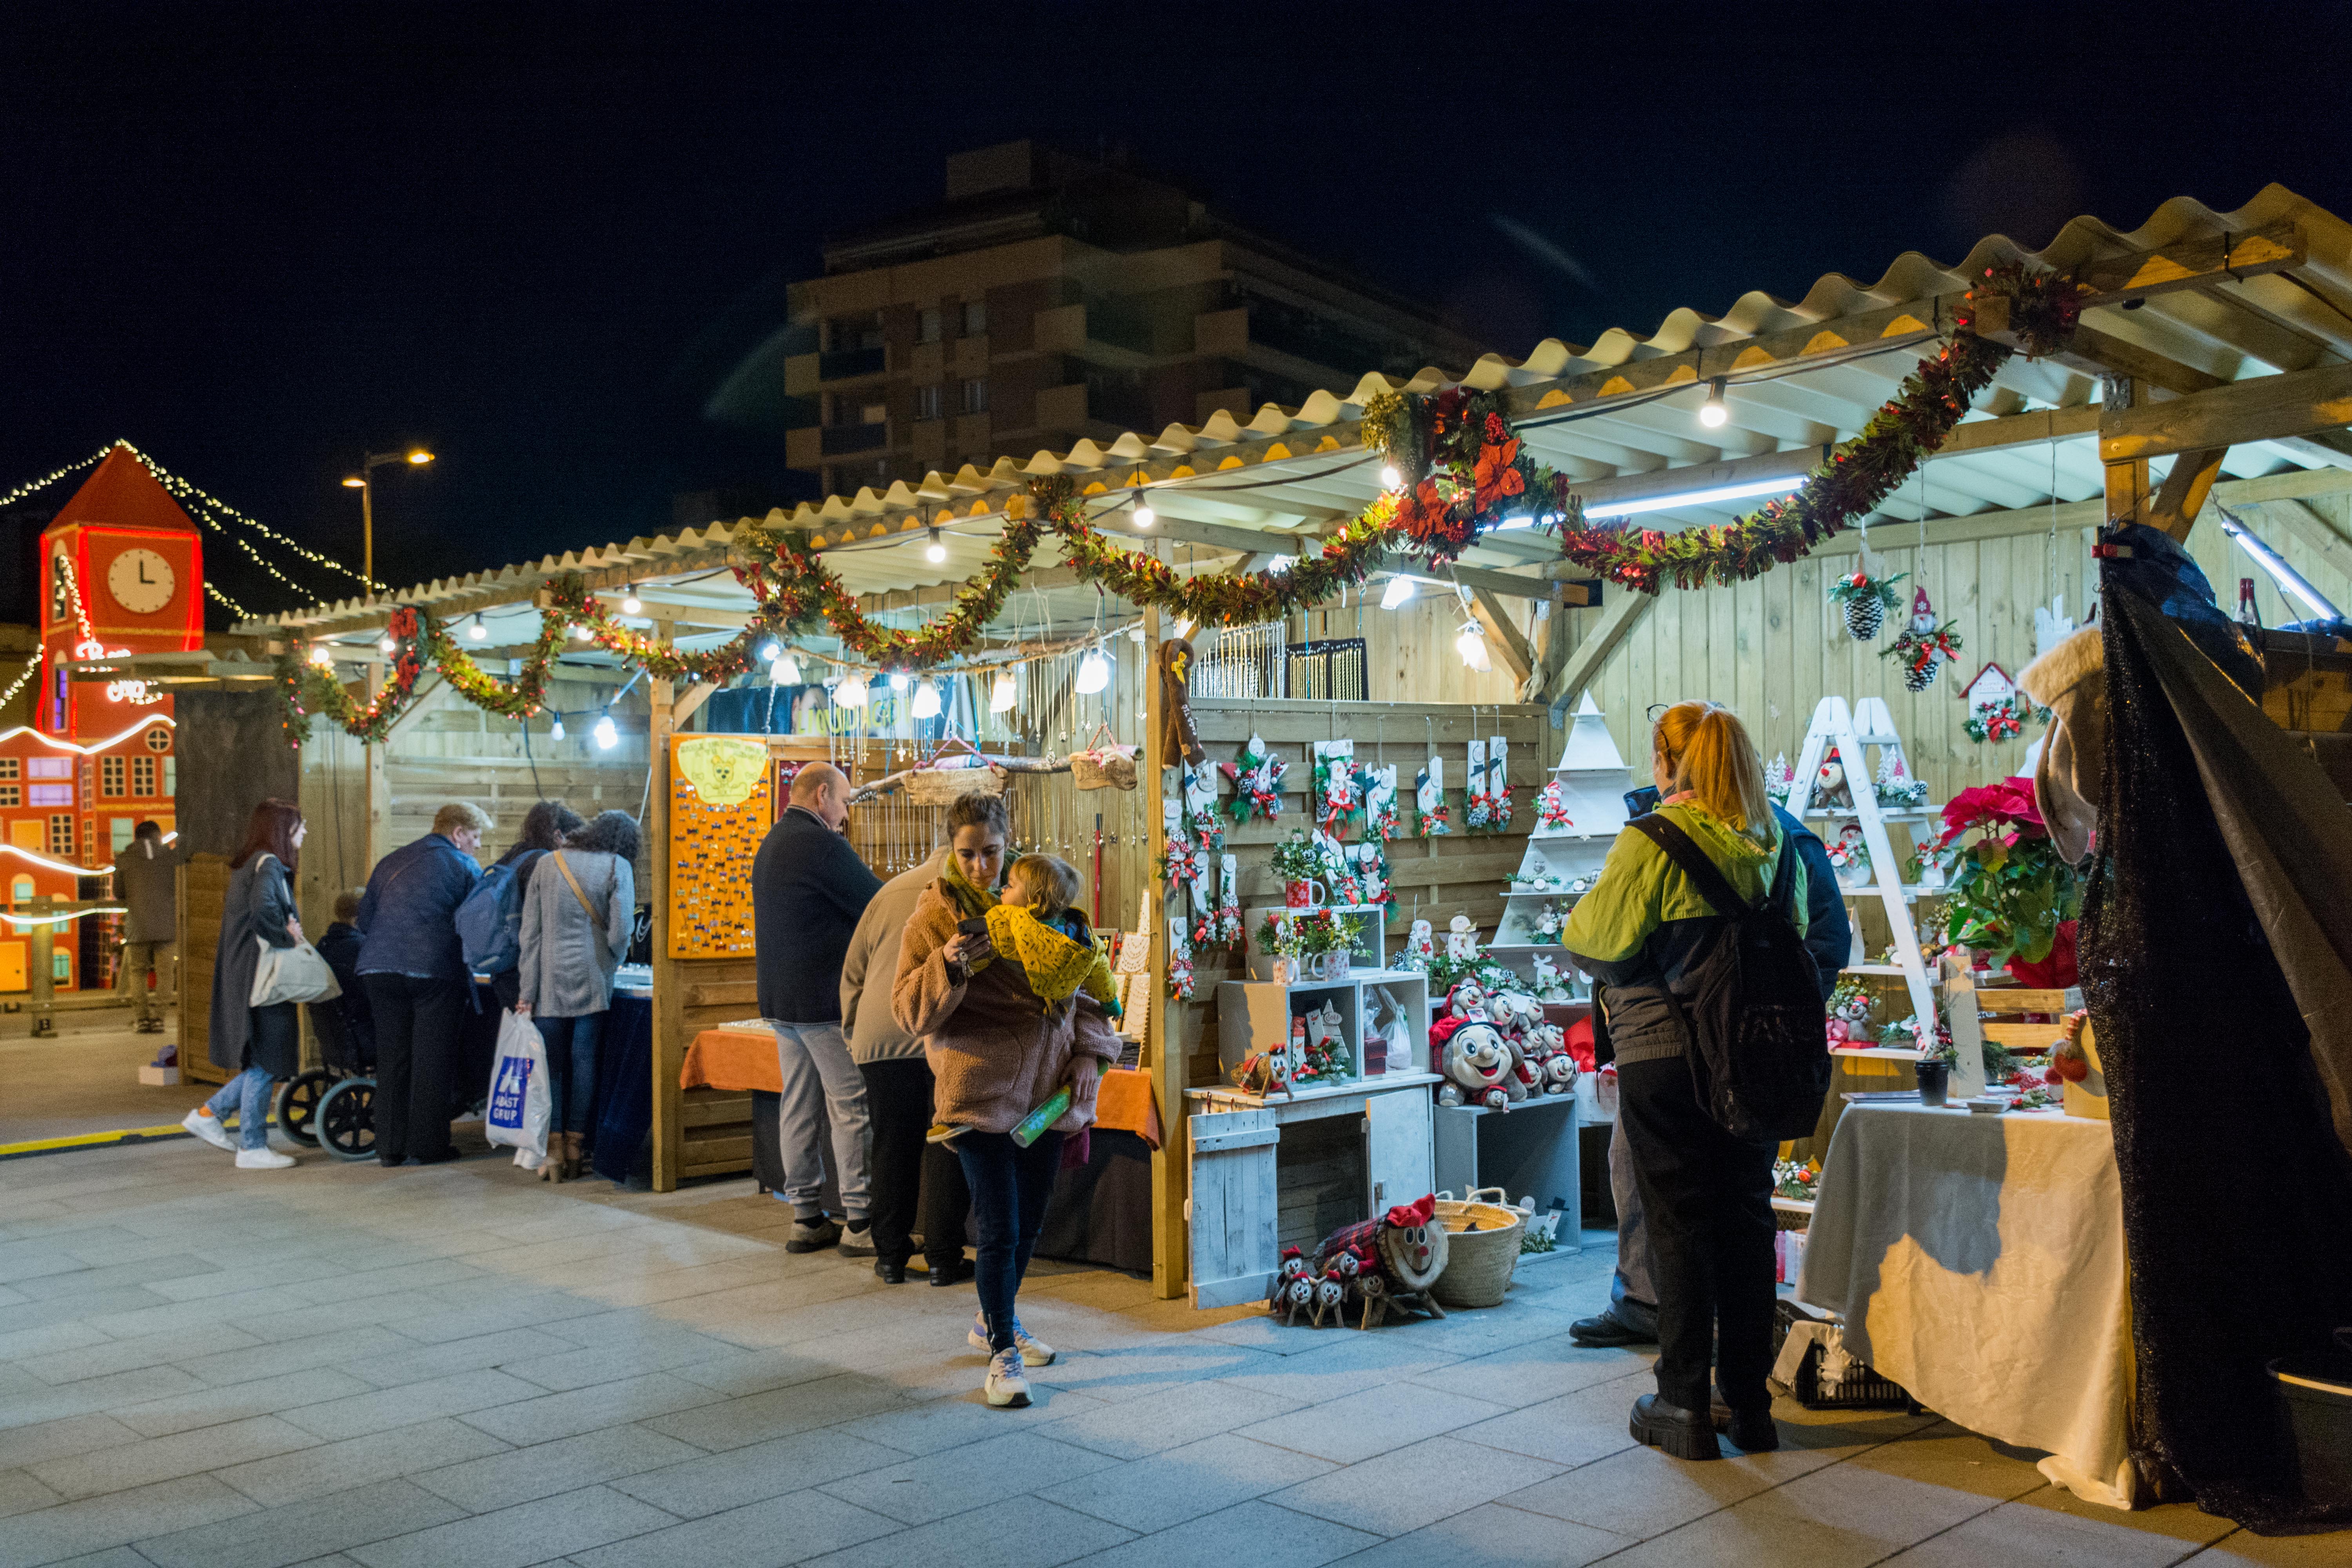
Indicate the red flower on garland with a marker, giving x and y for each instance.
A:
(1498, 473)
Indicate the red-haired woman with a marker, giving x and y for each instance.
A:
(255, 1045)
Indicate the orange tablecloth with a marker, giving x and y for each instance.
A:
(745, 1059)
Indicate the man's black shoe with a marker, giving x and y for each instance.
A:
(1750, 1431)
(1606, 1330)
(954, 1273)
(889, 1273)
(1683, 1433)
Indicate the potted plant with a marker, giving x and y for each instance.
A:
(1936, 1073)
(2009, 894)
(1309, 944)
(1297, 861)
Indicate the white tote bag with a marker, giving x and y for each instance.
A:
(294, 973)
(517, 1111)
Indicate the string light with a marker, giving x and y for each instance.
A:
(1001, 696)
(927, 699)
(899, 681)
(771, 650)
(556, 730)
(1714, 412)
(1144, 516)
(387, 645)
(785, 671)
(630, 603)
(1399, 593)
(851, 693)
(22, 676)
(936, 550)
(94, 747)
(239, 611)
(322, 656)
(477, 631)
(1094, 672)
(20, 921)
(1389, 479)
(607, 733)
(47, 863)
(21, 491)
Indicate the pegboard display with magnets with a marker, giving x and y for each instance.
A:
(722, 800)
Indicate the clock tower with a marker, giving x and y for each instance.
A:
(125, 574)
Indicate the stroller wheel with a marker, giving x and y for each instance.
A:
(297, 1103)
(345, 1121)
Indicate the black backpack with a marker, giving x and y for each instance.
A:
(1758, 1033)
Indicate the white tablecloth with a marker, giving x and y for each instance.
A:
(1978, 1261)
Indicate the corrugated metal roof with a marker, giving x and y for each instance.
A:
(1609, 415)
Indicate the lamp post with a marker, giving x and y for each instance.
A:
(364, 482)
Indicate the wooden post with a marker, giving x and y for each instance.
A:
(2127, 496)
(2182, 495)
(668, 1048)
(1163, 1050)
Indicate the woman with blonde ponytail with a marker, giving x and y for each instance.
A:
(1706, 1195)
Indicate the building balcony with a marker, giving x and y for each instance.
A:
(840, 440)
(843, 363)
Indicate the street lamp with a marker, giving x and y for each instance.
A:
(364, 482)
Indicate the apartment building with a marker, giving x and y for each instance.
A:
(1047, 299)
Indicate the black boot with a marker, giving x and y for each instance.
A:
(1606, 1330)
(1683, 1433)
(1750, 1431)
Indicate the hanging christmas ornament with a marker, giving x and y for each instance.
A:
(1339, 793)
(1924, 644)
(1498, 781)
(1379, 801)
(1257, 777)
(1179, 960)
(1477, 807)
(1429, 797)
(1865, 600)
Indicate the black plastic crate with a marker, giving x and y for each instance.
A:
(1861, 1388)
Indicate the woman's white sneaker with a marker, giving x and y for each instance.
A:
(262, 1160)
(1033, 1351)
(1006, 1387)
(206, 1126)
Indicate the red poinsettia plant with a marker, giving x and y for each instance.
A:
(2011, 894)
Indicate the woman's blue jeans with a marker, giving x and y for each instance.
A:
(1010, 1186)
(247, 1095)
(571, 1068)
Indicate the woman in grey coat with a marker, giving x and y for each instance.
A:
(575, 931)
(255, 1045)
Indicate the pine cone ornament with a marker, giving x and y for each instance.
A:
(1921, 676)
(1864, 618)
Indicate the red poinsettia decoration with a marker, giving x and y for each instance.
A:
(2004, 809)
(1499, 472)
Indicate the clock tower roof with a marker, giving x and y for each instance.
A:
(122, 493)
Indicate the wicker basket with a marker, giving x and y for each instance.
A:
(1104, 765)
(1482, 1241)
(931, 784)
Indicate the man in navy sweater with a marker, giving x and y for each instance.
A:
(808, 888)
(414, 973)
(1632, 1316)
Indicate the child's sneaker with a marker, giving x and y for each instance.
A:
(1005, 1387)
(1033, 1351)
(944, 1133)
(206, 1126)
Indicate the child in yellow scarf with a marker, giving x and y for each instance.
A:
(1036, 924)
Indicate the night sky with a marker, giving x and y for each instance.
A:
(257, 241)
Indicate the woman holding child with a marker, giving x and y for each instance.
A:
(1005, 990)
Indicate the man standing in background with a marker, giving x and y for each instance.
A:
(808, 890)
(415, 972)
(144, 880)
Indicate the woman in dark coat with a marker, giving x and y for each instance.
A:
(257, 1046)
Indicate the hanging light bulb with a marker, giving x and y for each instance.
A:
(851, 693)
(1398, 592)
(936, 550)
(607, 733)
(1389, 479)
(477, 632)
(899, 681)
(387, 645)
(1472, 645)
(582, 633)
(785, 671)
(1714, 412)
(927, 699)
(321, 655)
(1278, 566)
(1001, 695)
(555, 730)
(1094, 672)
(1144, 516)
(771, 650)
(630, 603)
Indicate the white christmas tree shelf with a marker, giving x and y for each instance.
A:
(1592, 778)
(1852, 733)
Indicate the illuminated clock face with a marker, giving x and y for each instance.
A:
(141, 582)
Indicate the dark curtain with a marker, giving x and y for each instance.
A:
(2217, 963)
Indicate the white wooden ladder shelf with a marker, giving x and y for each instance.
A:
(1850, 732)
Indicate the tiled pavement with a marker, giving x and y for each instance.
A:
(460, 1366)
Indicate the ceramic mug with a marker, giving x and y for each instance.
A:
(1305, 893)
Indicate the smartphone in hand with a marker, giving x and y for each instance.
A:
(978, 925)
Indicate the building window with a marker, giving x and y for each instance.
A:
(12, 794)
(20, 891)
(120, 830)
(49, 767)
(927, 327)
(10, 768)
(48, 795)
(874, 414)
(142, 775)
(110, 770)
(927, 402)
(975, 318)
(159, 738)
(975, 396)
(171, 776)
(61, 836)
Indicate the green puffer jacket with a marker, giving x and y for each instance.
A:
(1637, 930)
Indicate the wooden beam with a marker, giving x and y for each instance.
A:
(2316, 532)
(1598, 645)
(1560, 641)
(2260, 409)
(2193, 260)
(2184, 490)
(669, 1045)
(691, 703)
(1164, 1055)
(2019, 430)
(1509, 641)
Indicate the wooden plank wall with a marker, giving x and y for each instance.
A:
(1435, 878)
(203, 887)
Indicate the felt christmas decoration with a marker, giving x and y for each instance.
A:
(1429, 797)
(1379, 801)
(1178, 738)
(1257, 775)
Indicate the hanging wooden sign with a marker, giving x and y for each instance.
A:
(722, 800)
